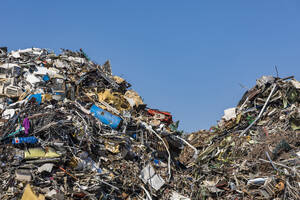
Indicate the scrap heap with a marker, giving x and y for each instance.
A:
(72, 130)
(254, 151)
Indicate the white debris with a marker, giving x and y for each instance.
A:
(32, 79)
(51, 193)
(229, 114)
(264, 80)
(148, 176)
(15, 54)
(46, 167)
(177, 196)
(8, 113)
(296, 84)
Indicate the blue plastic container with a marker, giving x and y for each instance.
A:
(106, 117)
(38, 98)
(46, 78)
(27, 140)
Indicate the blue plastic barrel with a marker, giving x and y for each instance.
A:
(106, 117)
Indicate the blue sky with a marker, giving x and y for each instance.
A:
(186, 57)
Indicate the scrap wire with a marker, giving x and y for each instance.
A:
(68, 173)
(271, 161)
(262, 110)
(195, 150)
(169, 155)
(242, 106)
(147, 193)
(109, 184)
(293, 169)
(292, 190)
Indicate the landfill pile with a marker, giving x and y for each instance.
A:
(70, 129)
(254, 150)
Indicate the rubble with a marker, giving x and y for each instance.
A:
(70, 129)
(252, 152)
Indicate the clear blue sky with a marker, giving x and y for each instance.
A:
(186, 57)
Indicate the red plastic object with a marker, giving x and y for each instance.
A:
(168, 116)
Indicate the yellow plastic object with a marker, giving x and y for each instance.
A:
(40, 153)
(24, 94)
(29, 195)
(112, 147)
(46, 97)
(115, 99)
(238, 118)
(58, 76)
(118, 79)
(133, 96)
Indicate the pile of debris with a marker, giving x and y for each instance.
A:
(254, 151)
(72, 130)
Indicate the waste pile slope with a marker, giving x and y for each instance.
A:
(70, 129)
(254, 151)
